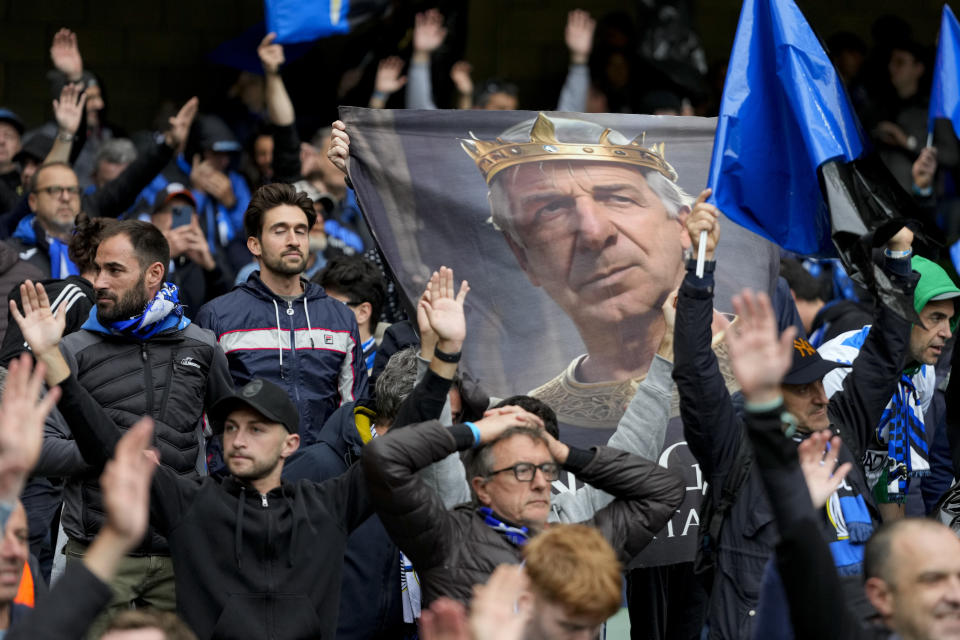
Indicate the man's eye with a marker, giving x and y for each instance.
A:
(615, 199)
(554, 208)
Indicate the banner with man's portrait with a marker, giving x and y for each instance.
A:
(569, 229)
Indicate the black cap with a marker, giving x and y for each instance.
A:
(213, 134)
(11, 118)
(807, 365)
(36, 147)
(263, 397)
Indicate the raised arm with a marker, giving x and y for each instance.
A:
(22, 414)
(873, 379)
(710, 424)
(388, 81)
(578, 36)
(279, 106)
(115, 197)
(412, 513)
(760, 358)
(68, 112)
(70, 608)
(428, 34)
(95, 433)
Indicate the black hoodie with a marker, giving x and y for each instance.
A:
(246, 565)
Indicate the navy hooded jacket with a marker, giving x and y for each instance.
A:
(309, 347)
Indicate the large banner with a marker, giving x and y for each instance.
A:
(569, 229)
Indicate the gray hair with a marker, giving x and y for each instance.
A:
(574, 130)
(479, 462)
(395, 383)
(117, 151)
(672, 195)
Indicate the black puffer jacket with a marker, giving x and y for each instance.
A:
(454, 550)
(172, 377)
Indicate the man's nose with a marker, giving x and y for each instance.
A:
(820, 394)
(593, 225)
(539, 479)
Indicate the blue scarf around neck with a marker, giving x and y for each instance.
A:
(515, 535)
(162, 313)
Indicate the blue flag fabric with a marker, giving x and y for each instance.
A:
(306, 20)
(945, 93)
(784, 113)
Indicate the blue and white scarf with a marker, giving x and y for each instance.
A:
(515, 535)
(901, 431)
(160, 313)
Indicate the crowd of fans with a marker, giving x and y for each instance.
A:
(247, 433)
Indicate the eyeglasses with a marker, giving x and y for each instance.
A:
(524, 471)
(54, 191)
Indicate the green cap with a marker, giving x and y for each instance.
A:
(934, 284)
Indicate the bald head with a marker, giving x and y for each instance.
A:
(912, 571)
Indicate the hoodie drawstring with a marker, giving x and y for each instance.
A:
(276, 311)
(238, 534)
(306, 310)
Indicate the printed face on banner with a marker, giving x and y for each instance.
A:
(595, 236)
(570, 230)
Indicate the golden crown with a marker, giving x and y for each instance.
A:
(493, 156)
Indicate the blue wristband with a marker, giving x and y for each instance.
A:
(476, 433)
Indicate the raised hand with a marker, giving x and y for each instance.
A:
(759, 357)
(207, 178)
(669, 310)
(819, 465)
(497, 612)
(924, 167)
(444, 311)
(428, 337)
(22, 413)
(460, 74)
(445, 619)
(179, 129)
(579, 35)
(428, 32)
(389, 78)
(41, 328)
(125, 483)
(704, 217)
(339, 151)
(902, 240)
(68, 110)
(271, 55)
(65, 55)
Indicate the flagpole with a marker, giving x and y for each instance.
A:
(929, 138)
(701, 253)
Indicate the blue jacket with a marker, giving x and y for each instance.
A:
(256, 329)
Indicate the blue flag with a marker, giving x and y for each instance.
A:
(784, 113)
(945, 94)
(306, 20)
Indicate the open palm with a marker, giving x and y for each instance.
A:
(443, 311)
(41, 328)
(759, 357)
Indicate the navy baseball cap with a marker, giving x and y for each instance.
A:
(263, 397)
(11, 118)
(807, 365)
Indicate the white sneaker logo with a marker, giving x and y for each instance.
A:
(188, 362)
